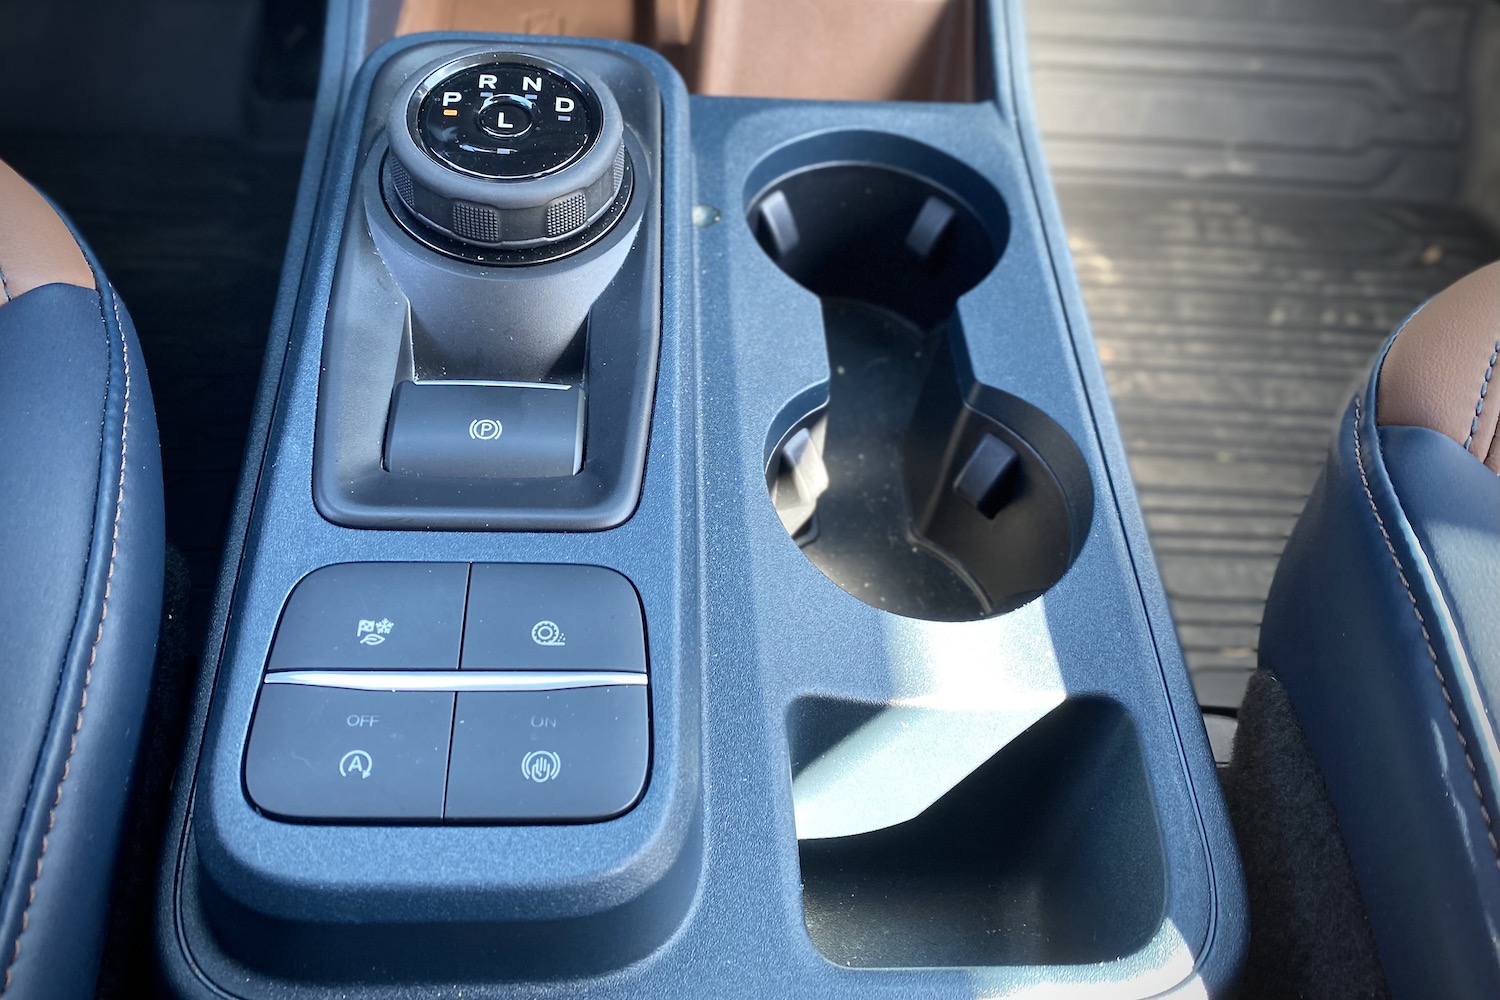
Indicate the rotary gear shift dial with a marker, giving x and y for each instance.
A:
(505, 152)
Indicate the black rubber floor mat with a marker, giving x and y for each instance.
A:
(1256, 193)
(1338, 96)
(191, 232)
(1232, 329)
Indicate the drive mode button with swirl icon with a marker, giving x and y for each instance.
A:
(541, 617)
(548, 756)
(464, 430)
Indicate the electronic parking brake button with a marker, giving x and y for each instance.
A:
(528, 617)
(466, 431)
(332, 754)
(548, 756)
(374, 616)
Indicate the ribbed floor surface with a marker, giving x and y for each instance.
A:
(1256, 194)
(1232, 329)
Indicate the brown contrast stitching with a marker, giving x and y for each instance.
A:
(1484, 811)
(1484, 390)
(88, 675)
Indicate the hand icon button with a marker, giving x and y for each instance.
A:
(540, 766)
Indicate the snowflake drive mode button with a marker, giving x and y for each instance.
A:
(373, 616)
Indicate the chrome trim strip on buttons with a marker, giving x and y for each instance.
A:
(490, 382)
(457, 680)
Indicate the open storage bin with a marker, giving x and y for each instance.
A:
(1048, 854)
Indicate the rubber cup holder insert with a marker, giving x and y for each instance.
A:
(913, 492)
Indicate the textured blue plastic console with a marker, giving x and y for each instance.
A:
(698, 891)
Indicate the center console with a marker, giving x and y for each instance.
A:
(686, 550)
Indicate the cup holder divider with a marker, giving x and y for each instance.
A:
(868, 482)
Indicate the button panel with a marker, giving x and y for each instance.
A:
(548, 720)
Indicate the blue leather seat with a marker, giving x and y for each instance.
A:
(81, 574)
(1383, 627)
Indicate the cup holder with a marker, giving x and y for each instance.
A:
(913, 492)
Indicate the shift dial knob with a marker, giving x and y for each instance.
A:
(505, 151)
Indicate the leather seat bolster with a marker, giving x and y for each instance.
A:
(1441, 366)
(1452, 505)
(36, 246)
(1376, 648)
(80, 602)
